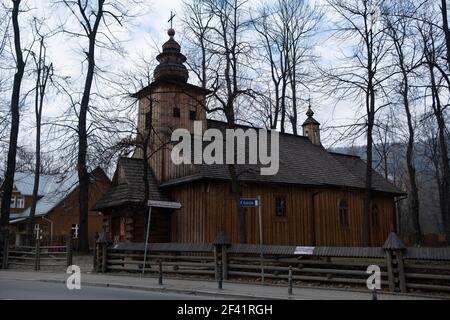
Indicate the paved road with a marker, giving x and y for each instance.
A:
(34, 290)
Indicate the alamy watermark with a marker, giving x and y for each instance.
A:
(241, 147)
(374, 280)
(74, 280)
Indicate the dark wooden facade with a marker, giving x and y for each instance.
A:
(321, 192)
(312, 215)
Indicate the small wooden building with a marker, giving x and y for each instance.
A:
(57, 210)
(315, 199)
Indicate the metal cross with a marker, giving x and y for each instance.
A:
(37, 230)
(172, 15)
(75, 233)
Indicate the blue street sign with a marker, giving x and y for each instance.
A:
(248, 202)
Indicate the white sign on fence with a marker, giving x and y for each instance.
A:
(304, 250)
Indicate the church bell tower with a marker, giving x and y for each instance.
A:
(166, 104)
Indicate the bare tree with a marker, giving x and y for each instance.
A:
(401, 32)
(15, 120)
(228, 20)
(196, 22)
(446, 30)
(362, 74)
(96, 20)
(43, 74)
(432, 49)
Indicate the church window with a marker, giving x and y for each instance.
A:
(343, 213)
(280, 206)
(176, 112)
(148, 120)
(307, 133)
(375, 216)
(13, 201)
(192, 115)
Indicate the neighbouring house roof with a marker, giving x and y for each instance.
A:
(24, 183)
(128, 186)
(53, 189)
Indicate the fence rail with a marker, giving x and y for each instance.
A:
(401, 269)
(37, 256)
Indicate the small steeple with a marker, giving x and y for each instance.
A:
(171, 61)
(311, 127)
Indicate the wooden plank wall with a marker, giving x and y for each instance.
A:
(200, 220)
(164, 99)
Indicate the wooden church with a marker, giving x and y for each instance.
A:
(315, 199)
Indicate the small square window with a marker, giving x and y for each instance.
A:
(21, 202)
(280, 206)
(176, 112)
(192, 115)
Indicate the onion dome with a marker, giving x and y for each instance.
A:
(310, 119)
(171, 61)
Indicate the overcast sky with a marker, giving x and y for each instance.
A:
(141, 37)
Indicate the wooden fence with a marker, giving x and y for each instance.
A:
(402, 269)
(37, 256)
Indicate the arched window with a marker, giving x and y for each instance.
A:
(375, 215)
(343, 213)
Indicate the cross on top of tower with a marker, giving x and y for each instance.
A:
(172, 15)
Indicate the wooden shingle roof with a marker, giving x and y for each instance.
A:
(129, 187)
(301, 163)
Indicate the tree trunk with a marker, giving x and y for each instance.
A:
(414, 192)
(83, 175)
(41, 84)
(294, 100)
(445, 180)
(236, 192)
(370, 105)
(446, 30)
(15, 120)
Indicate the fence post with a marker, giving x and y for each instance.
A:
(221, 245)
(104, 256)
(160, 278)
(216, 262)
(220, 276)
(69, 251)
(394, 248)
(401, 270)
(36, 255)
(290, 281)
(5, 253)
(225, 262)
(94, 262)
(98, 254)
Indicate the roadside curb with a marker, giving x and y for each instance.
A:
(163, 289)
(208, 292)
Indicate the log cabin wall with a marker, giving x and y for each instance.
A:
(127, 224)
(208, 205)
(164, 99)
(67, 213)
